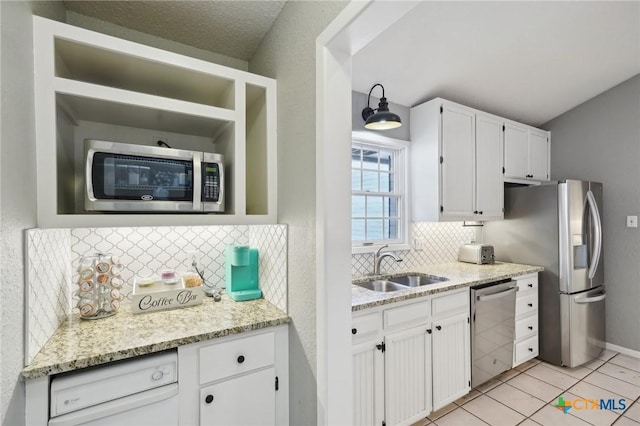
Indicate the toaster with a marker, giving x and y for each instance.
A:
(476, 253)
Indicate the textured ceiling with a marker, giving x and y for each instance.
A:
(232, 28)
(528, 61)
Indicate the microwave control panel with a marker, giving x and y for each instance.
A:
(210, 182)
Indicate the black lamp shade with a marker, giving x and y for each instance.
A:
(382, 118)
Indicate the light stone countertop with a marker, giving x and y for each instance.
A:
(459, 275)
(84, 343)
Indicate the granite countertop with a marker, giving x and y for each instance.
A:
(83, 343)
(459, 275)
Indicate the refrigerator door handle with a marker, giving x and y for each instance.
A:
(591, 299)
(597, 240)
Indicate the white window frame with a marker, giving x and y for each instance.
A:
(401, 174)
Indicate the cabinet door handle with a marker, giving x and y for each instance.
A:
(428, 330)
(208, 399)
(354, 331)
(480, 212)
(438, 327)
(475, 212)
(240, 359)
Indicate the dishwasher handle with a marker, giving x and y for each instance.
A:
(485, 298)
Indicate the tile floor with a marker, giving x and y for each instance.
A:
(527, 395)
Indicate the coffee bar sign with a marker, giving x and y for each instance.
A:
(167, 299)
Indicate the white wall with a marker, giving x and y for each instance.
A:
(17, 190)
(288, 55)
(600, 140)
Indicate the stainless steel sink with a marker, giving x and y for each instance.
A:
(383, 286)
(416, 280)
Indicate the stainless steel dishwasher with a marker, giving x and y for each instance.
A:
(493, 307)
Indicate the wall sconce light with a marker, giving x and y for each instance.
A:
(380, 118)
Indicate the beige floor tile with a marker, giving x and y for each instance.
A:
(516, 399)
(587, 412)
(487, 386)
(468, 397)
(589, 391)
(627, 361)
(441, 412)
(422, 422)
(622, 373)
(551, 416)
(493, 412)
(594, 365)
(576, 372)
(633, 412)
(459, 417)
(529, 422)
(508, 375)
(607, 354)
(527, 365)
(625, 421)
(535, 387)
(551, 376)
(612, 384)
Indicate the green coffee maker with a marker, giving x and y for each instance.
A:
(241, 273)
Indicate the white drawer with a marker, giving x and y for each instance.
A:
(526, 350)
(365, 326)
(526, 326)
(526, 304)
(415, 313)
(227, 359)
(527, 283)
(451, 304)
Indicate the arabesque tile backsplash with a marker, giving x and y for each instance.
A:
(54, 256)
(441, 242)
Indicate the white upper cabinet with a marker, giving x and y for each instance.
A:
(526, 153)
(458, 161)
(456, 165)
(489, 184)
(92, 86)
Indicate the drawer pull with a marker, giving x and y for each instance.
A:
(240, 359)
(530, 349)
(530, 305)
(530, 327)
(438, 327)
(429, 331)
(208, 399)
(354, 331)
(530, 285)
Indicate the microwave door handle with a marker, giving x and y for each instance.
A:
(197, 181)
(597, 238)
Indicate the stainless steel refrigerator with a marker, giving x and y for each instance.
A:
(559, 226)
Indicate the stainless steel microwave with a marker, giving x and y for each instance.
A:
(135, 178)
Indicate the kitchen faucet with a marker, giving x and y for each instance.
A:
(377, 259)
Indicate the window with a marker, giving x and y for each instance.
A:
(378, 194)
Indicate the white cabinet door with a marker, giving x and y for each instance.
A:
(515, 151)
(368, 384)
(407, 375)
(489, 182)
(538, 154)
(458, 167)
(451, 359)
(245, 400)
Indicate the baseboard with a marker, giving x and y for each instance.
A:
(622, 350)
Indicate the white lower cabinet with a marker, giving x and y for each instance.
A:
(235, 380)
(410, 358)
(451, 359)
(526, 332)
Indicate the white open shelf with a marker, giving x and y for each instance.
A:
(93, 86)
